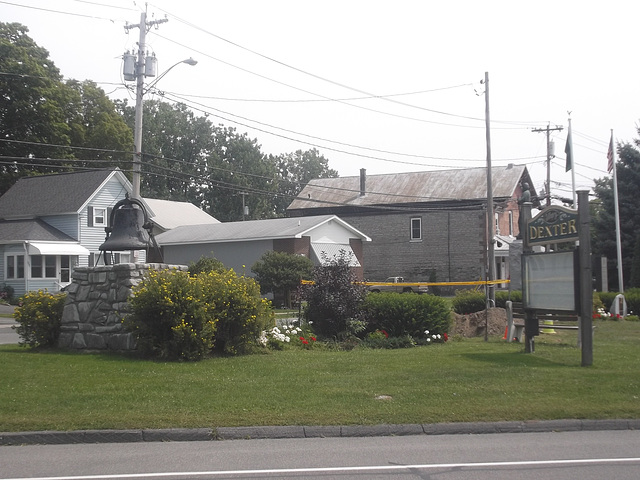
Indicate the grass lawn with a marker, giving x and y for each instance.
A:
(462, 380)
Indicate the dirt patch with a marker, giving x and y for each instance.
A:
(473, 324)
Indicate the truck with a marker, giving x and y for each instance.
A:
(398, 285)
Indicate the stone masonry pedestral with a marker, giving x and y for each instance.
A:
(97, 303)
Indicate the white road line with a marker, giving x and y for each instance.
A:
(367, 468)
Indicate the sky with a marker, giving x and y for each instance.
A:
(380, 85)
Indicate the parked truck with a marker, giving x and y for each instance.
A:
(398, 285)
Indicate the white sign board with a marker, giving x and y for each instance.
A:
(549, 281)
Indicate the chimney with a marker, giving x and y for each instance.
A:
(363, 181)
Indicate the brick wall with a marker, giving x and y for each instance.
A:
(452, 245)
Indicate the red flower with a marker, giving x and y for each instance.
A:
(304, 342)
(302, 339)
(445, 336)
(385, 333)
(313, 339)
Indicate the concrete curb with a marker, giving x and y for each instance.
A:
(275, 432)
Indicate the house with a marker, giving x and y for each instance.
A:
(50, 224)
(425, 226)
(166, 214)
(239, 245)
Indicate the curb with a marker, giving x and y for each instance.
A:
(276, 432)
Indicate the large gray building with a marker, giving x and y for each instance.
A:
(424, 226)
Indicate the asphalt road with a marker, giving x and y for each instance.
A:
(513, 456)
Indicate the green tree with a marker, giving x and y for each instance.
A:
(628, 176)
(32, 96)
(175, 146)
(295, 170)
(42, 117)
(240, 174)
(280, 273)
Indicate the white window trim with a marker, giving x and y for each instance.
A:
(411, 237)
(97, 217)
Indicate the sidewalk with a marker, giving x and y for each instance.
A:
(246, 433)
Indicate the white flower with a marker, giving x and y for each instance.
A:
(428, 340)
(287, 339)
(426, 332)
(439, 337)
(434, 336)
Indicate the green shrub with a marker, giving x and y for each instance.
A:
(242, 315)
(178, 316)
(39, 315)
(6, 293)
(402, 314)
(607, 299)
(334, 298)
(205, 265)
(469, 301)
(632, 296)
(502, 297)
(169, 318)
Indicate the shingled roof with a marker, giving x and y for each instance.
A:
(275, 228)
(52, 194)
(441, 186)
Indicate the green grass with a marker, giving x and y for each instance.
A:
(462, 380)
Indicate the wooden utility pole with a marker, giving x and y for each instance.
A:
(491, 273)
(550, 155)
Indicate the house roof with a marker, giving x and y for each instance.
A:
(53, 194)
(275, 228)
(168, 215)
(12, 231)
(410, 188)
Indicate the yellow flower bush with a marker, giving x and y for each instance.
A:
(39, 315)
(186, 317)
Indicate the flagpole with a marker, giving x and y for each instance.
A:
(612, 163)
(571, 164)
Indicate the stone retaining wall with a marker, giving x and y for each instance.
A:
(97, 302)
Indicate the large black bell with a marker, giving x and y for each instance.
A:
(128, 228)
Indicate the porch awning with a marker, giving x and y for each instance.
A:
(59, 248)
(332, 250)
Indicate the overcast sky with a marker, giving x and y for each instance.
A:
(390, 86)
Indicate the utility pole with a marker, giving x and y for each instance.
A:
(550, 155)
(491, 267)
(140, 72)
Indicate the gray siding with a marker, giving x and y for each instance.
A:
(451, 245)
(233, 255)
(67, 224)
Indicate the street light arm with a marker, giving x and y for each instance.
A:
(188, 61)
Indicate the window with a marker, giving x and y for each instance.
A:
(99, 217)
(416, 229)
(15, 266)
(65, 269)
(511, 222)
(497, 223)
(43, 266)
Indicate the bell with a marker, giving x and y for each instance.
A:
(128, 230)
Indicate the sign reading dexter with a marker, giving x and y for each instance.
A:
(553, 225)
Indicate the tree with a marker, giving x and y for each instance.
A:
(295, 171)
(240, 175)
(628, 176)
(175, 146)
(280, 273)
(335, 297)
(42, 118)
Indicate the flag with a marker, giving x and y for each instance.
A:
(610, 155)
(568, 150)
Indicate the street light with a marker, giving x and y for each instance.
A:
(137, 132)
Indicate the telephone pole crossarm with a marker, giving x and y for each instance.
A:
(548, 129)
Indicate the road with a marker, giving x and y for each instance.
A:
(513, 456)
